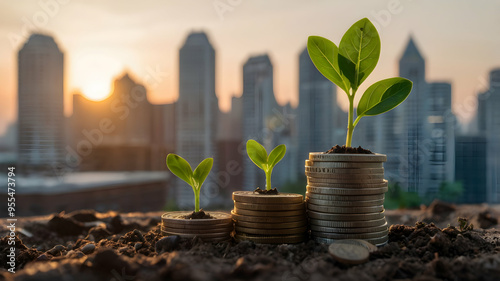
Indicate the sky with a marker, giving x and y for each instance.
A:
(102, 39)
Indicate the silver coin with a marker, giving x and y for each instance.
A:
(381, 241)
(345, 217)
(345, 210)
(340, 157)
(344, 181)
(356, 171)
(345, 203)
(347, 165)
(346, 191)
(349, 230)
(345, 177)
(366, 223)
(363, 236)
(345, 198)
(384, 183)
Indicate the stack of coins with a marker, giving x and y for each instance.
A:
(216, 229)
(345, 197)
(269, 219)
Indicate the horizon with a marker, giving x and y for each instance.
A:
(143, 41)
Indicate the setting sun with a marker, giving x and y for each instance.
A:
(97, 90)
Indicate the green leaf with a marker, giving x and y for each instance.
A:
(324, 55)
(201, 172)
(359, 51)
(180, 167)
(257, 154)
(276, 155)
(383, 96)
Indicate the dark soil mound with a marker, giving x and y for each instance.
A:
(272, 191)
(199, 215)
(348, 150)
(140, 252)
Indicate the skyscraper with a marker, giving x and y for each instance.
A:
(197, 109)
(40, 104)
(440, 154)
(492, 126)
(316, 112)
(259, 104)
(409, 124)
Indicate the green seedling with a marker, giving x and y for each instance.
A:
(349, 64)
(181, 168)
(259, 157)
(464, 225)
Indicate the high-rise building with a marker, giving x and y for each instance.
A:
(470, 168)
(492, 131)
(440, 145)
(197, 111)
(259, 105)
(40, 104)
(316, 111)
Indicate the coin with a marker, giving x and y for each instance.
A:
(227, 228)
(346, 190)
(313, 169)
(345, 203)
(254, 197)
(345, 217)
(269, 213)
(349, 235)
(345, 210)
(311, 180)
(346, 177)
(348, 165)
(285, 231)
(201, 235)
(179, 218)
(284, 239)
(269, 207)
(238, 218)
(375, 241)
(367, 245)
(195, 226)
(384, 183)
(348, 253)
(349, 229)
(364, 223)
(281, 225)
(339, 157)
(345, 198)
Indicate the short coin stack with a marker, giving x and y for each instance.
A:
(345, 197)
(216, 229)
(269, 219)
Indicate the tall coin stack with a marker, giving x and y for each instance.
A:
(269, 219)
(345, 197)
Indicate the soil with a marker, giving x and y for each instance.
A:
(130, 247)
(272, 191)
(348, 150)
(199, 215)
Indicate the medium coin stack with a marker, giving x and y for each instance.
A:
(215, 229)
(269, 219)
(345, 197)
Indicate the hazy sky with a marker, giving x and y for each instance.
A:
(460, 41)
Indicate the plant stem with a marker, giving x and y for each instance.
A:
(350, 125)
(197, 200)
(268, 179)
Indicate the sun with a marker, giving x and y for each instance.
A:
(97, 90)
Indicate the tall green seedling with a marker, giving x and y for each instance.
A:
(258, 154)
(181, 168)
(349, 64)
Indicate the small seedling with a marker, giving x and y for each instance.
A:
(464, 225)
(349, 64)
(181, 168)
(259, 157)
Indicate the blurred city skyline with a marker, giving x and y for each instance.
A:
(145, 41)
